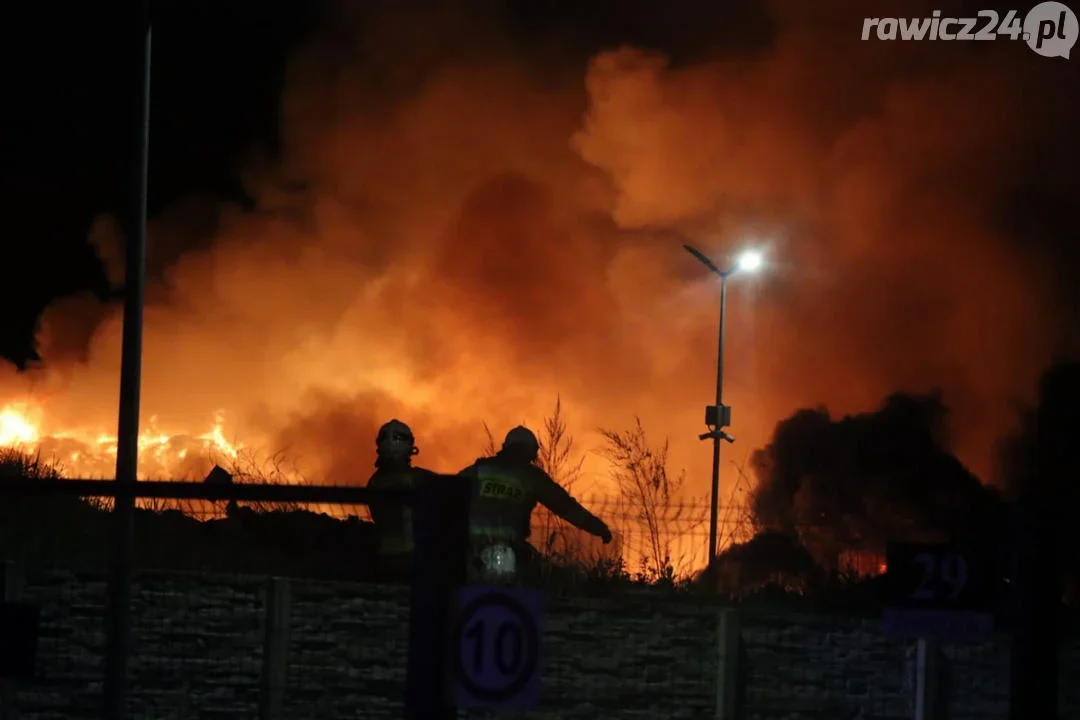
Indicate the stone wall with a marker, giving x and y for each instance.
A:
(200, 643)
(810, 666)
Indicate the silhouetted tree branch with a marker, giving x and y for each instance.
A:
(641, 476)
(490, 446)
(559, 459)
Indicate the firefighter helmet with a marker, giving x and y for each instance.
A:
(522, 440)
(395, 441)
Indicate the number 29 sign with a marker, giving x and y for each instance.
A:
(935, 576)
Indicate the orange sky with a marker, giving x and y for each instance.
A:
(506, 232)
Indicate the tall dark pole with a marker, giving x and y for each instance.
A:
(714, 509)
(1034, 667)
(717, 417)
(441, 531)
(127, 438)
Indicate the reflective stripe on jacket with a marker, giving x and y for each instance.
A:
(503, 501)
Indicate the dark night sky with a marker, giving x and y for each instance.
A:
(68, 127)
(218, 71)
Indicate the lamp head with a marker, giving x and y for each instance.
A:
(749, 261)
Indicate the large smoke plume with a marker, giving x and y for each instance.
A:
(867, 479)
(462, 239)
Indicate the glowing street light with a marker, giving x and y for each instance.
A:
(749, 261)
(718, 416)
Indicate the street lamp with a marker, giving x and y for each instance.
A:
(749, 261)
(718, 416)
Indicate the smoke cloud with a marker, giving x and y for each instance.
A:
(462, 239)
(863, 480)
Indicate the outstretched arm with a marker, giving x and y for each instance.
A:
(557, 500)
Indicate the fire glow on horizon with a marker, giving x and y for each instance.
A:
(466, 251)
(85, 453)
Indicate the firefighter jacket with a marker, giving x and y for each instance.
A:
(394, 520)
(504, 494)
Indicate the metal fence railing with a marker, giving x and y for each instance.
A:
(265, 601)
(208, 618)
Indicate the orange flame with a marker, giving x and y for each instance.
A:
(16, 428)
(88, 453)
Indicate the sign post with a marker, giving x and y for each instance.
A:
(495, 648)
(441, 529)
(945, 592)
(937, 592)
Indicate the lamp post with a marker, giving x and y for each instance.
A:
(718, 416)
(118, 612)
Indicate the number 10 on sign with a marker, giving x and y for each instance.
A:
(506, 646)
(496, 648)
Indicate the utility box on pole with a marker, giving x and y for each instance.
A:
(718, 416)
